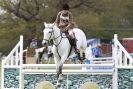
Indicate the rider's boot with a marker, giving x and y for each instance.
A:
(73, 41)
(60, 79)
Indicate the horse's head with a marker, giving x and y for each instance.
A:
(48, 33)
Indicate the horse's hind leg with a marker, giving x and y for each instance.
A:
(82, 57)
(79, 57)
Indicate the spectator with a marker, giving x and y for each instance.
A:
(88, 52)
(89, 55)
(50, 53)
(33, 44)
(97, 52)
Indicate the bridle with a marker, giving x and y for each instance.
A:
(47, 40)
(54, 38)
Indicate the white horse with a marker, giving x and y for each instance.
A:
(61, 46)
(39, 52)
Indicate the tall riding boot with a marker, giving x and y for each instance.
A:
(73, 42)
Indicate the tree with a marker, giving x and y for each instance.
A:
(96, 18)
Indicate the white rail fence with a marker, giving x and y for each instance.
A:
(108, 65)
(13, 60)
(69, 68)
(123, 58)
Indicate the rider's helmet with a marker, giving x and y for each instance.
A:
(65, 7)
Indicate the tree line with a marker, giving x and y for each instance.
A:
(98, 18)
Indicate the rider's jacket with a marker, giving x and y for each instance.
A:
(64, 20)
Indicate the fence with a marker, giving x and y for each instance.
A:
(107, 65)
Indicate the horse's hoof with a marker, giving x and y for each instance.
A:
(58, 85)
(60, 80)
(60, 77)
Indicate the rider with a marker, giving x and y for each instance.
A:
(64, 21)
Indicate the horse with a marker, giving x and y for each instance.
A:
(61, 45)
(46, 54)
(39, 52)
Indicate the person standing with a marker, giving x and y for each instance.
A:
(33, 44)
(97, 51)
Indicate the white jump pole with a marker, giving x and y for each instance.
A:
(21, 62)
(115, 72)
(2, 74)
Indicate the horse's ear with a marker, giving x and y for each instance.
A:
(45, 24)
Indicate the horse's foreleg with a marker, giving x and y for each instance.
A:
(56, 60)
(59, 72)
